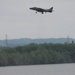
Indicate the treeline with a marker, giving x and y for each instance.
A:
(37, 54)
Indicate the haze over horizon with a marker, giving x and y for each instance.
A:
(17, 21)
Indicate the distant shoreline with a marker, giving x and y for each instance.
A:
(37, 54)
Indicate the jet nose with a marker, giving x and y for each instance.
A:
(30, 8)
(33, 8)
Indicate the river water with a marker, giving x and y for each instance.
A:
(52, 69)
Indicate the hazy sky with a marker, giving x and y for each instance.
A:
(18, 21)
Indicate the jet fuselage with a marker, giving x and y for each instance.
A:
(42, 10)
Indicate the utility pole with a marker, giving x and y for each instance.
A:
(6, 40)
(68, 40)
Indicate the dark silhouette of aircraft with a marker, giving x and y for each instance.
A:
(42, 10)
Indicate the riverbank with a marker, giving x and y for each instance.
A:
(34, 54)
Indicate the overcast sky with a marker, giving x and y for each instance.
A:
(18, 21)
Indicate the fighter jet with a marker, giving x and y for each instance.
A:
(42, 10)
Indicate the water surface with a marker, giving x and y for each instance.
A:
(56, 69)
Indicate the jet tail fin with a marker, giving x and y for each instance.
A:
(51, 9)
